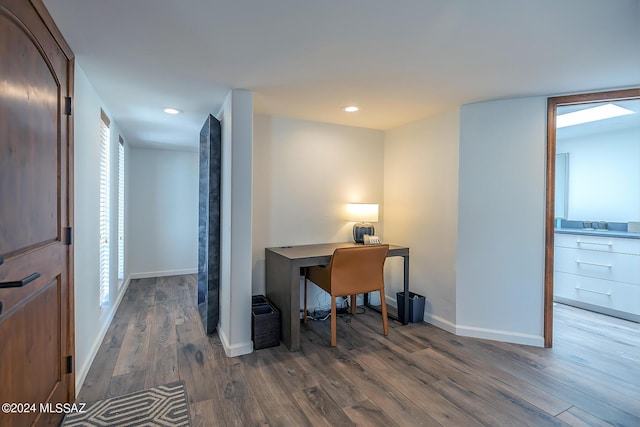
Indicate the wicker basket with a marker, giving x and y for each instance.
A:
(265, 326)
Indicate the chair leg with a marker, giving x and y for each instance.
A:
(304, 313)
(383, 309)
(333, 321)
(353, 304)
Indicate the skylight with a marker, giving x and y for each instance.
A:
(593, 114)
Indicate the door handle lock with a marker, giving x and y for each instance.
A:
(20, 283)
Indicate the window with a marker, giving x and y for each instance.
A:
(121, 212)
(105, 138)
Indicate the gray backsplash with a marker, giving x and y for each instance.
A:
(614, 226)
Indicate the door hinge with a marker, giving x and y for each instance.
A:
(69, 364)
(68, 234)
(67, 105)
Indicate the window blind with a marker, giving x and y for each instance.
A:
(105, 138)
(120, 212)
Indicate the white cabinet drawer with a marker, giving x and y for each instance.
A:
(598, 243)
(596, 292)
(603, 265)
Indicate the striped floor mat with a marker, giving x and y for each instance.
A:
(157, 406)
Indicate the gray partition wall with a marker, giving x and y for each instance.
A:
(209, 224)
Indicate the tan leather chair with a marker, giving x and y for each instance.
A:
(351, 271)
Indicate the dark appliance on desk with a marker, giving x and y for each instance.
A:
(363, 214)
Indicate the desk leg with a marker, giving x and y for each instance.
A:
(294, 310)
(405, 320)
(283, 289)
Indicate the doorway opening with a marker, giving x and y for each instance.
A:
(559, 212)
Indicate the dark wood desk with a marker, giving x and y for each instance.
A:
(283, 271)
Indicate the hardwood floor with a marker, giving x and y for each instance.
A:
(418, 375)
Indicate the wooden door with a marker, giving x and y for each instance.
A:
(36, 322)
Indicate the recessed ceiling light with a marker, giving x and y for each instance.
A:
(587, 115)
(351, 109)
(171, 110)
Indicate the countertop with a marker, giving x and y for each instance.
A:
(597, 232)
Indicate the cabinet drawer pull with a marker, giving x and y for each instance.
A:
(20, 283)
(593, 263)
(578, 288)
(580, 242)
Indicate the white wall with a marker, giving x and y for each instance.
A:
(305, 174)
(91, 321)
(604, 176)
(421, 210)
(163, 212)
(501, 211)
(234, 327)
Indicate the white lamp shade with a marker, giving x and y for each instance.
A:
(363, 212)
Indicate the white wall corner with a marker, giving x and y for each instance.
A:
(431, 318)
(235, 349)
(234, 327)
(421, 206)
(440, 322)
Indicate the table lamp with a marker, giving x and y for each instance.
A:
(363, 214)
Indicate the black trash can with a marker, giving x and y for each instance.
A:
(265, 323)
(259, 300)
(416, 307)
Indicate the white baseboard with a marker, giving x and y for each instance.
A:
(235, 349)
(105, 319)
(163, 273)
(440, 322)
(474, 332)
(499, 335)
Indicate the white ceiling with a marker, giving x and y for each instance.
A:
(399, 61)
